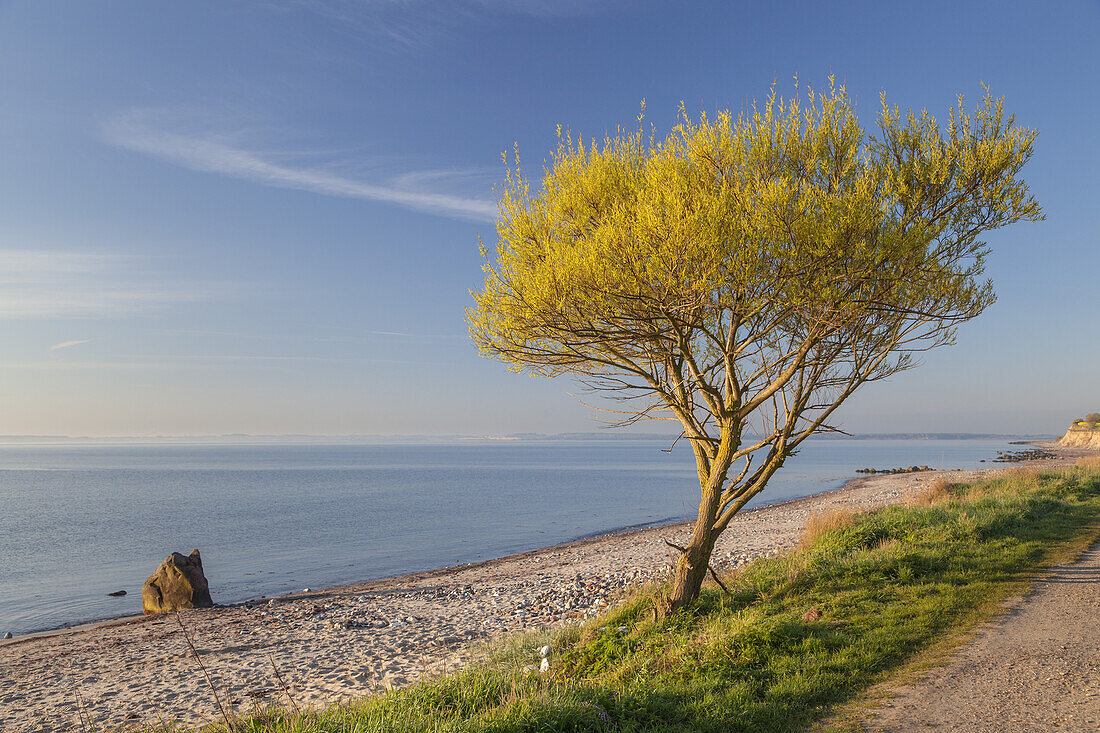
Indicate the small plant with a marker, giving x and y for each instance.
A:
(937, 492)
(1089, 463)
(826, 521)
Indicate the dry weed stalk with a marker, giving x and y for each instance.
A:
(1088, 462)
(885, 544)
(826, 521)
(206, 674)
(1027, 474)
(283, 684)
(156, 708)
(84, 714)
(797, 567)
(937, 492)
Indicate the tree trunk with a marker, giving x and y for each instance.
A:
(691, 567)
(691, 570)
(694, 561)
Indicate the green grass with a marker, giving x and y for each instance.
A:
(888, 587)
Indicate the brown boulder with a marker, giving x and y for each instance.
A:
(178, 583)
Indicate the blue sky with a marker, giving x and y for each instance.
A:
(263, 216)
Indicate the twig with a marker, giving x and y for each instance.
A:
(675, 546)
(716, 580)
(84, 714)
(283, 684)
(209, 681)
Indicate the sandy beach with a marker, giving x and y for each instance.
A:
(356, 640)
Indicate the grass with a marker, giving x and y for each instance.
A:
(797, 638)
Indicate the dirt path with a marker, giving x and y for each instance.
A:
(1036, 668)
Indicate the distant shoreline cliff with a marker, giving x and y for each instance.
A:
(1081, 435)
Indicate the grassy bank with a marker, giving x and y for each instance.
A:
(794, 638)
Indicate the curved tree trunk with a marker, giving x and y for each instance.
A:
(691, 567)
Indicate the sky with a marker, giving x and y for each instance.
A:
(263, 216)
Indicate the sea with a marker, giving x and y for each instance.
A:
(81, 520)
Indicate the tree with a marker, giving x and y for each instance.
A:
(745, 277)
(1092, 417)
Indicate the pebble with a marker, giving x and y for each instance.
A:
(7, 634)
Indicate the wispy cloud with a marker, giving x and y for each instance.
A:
(411, 24)
(67, 344)
(147, 132)
(368, 334)
(59, 283)
(207, 362)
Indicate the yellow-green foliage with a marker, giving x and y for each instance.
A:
(749, 274)
(790, 206)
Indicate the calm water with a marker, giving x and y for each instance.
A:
(80, 521)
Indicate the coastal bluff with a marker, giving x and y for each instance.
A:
(1082, 434)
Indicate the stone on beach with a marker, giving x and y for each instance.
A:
(178, 583)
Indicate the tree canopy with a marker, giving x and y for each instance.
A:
(744, 276)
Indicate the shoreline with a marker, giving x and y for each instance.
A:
(120, 615)
(353, 640)
(445, 570)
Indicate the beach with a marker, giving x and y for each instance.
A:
(316, 647)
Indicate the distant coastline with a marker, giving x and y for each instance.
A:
(251, 439)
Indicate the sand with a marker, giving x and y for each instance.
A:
(347, 642)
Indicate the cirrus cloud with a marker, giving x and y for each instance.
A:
(67, 344)
(72, 284)
(150, 133)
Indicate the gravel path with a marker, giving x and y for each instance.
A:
(1036, 668)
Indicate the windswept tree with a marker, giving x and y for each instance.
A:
(1092, 417)
(745, 276)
